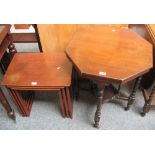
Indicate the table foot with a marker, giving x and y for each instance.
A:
(12, 115)
(96, 126)
(142, 114)
(146, 109)
(127, 108)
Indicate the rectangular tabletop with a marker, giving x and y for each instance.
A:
(49, 69)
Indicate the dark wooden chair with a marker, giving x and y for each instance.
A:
(149, 96)
(7, 51)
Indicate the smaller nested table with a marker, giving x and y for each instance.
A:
(39, 71)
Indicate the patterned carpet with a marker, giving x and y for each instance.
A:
(46, 112)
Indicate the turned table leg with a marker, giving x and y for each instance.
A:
(99, 105)
(132, 96)
(147, 104)
(7, 57)
(12, 49)
(7, 106)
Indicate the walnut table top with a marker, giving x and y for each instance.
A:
(38, 70)
(117, 55)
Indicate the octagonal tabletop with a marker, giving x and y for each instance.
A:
(119, 55)
(49, 69)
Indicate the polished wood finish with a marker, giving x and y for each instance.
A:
(3, 32)
(24, 37)
(110, 55)
(151, 30)
(22, 26)
(117, 53)
(54, 70)
(141, 29)
(39, 71)
(38, 37)
(5, 58)
(55, 37)
(148, 32)
(33, 37)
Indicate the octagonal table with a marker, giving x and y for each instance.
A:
(109, 56)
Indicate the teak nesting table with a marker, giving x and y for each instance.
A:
(108, 56)
(39, 71)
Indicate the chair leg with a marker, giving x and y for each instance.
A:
(132, 96)
(147, 104)
(7, 106)
(99, 105)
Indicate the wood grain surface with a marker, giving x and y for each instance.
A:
(119, 53)
(37, 70)
(55, 37)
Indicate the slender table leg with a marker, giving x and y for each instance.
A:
(21, 105)
(65, 102)
(17, 102)
(147, 104)
(99, 105)
(70, 104)
(7, 106)
(61, 103)
(132, 96)
(24, 106)
(14, 99)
